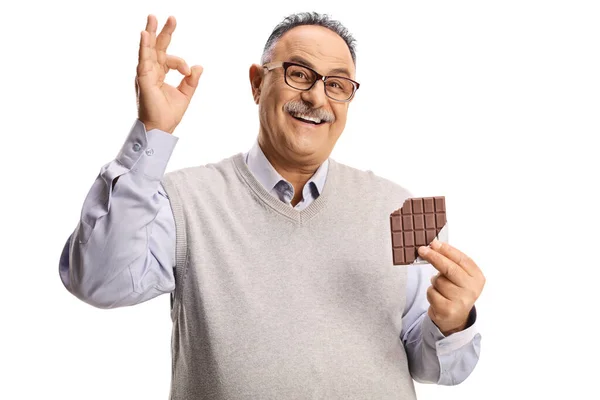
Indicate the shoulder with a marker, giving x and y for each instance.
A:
(368, 183)
(214, 172)
(211, 170)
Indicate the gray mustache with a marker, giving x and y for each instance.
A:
(303, 108)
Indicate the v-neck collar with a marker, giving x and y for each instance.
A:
(264, 172)
(299, 216)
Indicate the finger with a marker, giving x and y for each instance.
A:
(456, 256)
(189, 83)
(151, 26)
(436, 300)
(177, 63)
(146, 53)
(434, 278)
(432, 315)
(164, 38)
(446, 288)
(446, 266)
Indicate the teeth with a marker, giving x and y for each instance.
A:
(306, 117)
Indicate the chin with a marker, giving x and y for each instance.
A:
(309, 150)
(307, 141)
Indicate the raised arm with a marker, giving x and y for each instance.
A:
(122, 250)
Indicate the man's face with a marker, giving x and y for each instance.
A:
(293, 140)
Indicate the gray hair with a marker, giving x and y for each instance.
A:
(307, 18)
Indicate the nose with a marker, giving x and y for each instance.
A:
(316, 95)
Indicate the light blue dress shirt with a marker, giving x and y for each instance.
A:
(142, 257)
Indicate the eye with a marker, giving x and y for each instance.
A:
(298, 74)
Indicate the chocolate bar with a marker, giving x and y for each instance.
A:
(416, 224)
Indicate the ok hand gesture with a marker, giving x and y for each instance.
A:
(160, 105)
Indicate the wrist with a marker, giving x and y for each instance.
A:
(148, 126)
(468, 322)
(455, 330)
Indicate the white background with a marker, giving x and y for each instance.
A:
(494, 105)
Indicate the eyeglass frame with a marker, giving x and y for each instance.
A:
(319, 77)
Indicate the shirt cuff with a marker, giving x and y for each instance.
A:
(448, 344)
(147, 153)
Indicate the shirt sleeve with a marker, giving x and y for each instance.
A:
(433, 357)
(122, 251)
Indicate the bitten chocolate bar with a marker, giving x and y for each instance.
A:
(416, 224)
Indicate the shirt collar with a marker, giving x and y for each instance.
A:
(264, 172)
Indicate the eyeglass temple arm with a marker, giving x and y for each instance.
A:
(270, 66)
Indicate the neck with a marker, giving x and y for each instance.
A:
(295, 173)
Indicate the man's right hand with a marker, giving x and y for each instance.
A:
(160, 105)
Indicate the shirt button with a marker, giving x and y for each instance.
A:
(137, 147)
(149, 152)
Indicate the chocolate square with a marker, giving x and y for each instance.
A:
(416, 224)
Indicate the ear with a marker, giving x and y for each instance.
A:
(256, 79)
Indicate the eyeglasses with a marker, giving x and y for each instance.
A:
(300, 77)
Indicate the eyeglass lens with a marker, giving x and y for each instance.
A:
(302, 78)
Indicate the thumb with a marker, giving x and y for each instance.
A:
(189, 83)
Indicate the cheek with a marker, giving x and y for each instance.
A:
(268, 106)
(340, 122)
(273, 104)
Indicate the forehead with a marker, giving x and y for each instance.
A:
(319, 48)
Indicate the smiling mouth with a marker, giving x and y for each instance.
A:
(307, 119)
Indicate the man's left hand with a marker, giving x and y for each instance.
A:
(454, 289)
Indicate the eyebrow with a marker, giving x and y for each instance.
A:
(303, 61)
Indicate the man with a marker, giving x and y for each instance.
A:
(278, 261)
